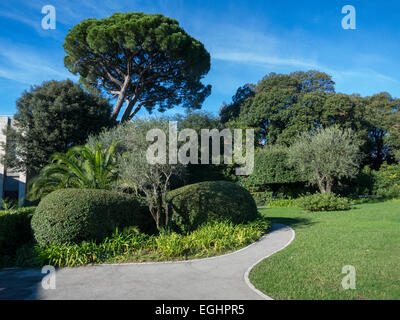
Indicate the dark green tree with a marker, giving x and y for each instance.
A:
(285, 105)
(198, 120)
(52, 118)
(142, 60)
(243, 96)
(382, 115)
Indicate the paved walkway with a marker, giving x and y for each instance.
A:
(218, 278)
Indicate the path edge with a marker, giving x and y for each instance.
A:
(247, 273)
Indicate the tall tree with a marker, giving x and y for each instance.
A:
(382, 114)
(285, 104)
(52, 118)
(243, 95)
(282, 105)
(142, 60)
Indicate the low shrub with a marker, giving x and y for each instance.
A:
(196, 204)
(283, 203)
(324, 202)
(262, 198)
(392, 192)
(211, 239)
(76, 215)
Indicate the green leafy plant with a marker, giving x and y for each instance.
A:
(86, 167)
(211, 239)
(283, 203)
(8, 204)
(387, 181)
(324, 202)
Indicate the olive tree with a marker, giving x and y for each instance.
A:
(135, 172)
(325, 156)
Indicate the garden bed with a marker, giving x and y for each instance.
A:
(211, 239)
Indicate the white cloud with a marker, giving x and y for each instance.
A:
(29, 66)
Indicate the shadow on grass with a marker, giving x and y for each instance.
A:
(292, 222)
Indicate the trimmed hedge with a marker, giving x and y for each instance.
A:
(15, 229)
(271, 168)
(196, 204)
(76, 215)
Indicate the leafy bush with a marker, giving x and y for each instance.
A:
(324, 202)
(196, 204)
(283, 203)
(75, 215)
(387, 181)
(211, 239)
(15, 229)
(81, 167)
(262, 198)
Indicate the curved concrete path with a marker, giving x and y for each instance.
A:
(219, 278)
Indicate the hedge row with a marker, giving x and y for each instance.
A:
(15, 229)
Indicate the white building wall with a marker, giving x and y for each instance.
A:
(20, 177)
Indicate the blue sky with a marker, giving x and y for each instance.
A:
(246, 39)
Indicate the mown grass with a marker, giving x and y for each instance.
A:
(367, 237)
(214, 238)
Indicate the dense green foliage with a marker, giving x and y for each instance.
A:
(82, 167)
(311, 267)
(146, 60)
(15, 230)
(196, 204)
(324, 202)
(382, 117)
(52, 118)
(326, 156)
(283, 105)
(135, 172)
(271, 168)
(76, 215)
(214, 238)
(240, 101)
(387, 181)
(200, 120)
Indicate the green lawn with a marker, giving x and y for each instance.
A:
(367, 237)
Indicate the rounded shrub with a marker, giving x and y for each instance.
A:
(196, 204)
(76, 215)
(324, 202)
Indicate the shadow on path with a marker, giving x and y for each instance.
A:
(19, 284)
